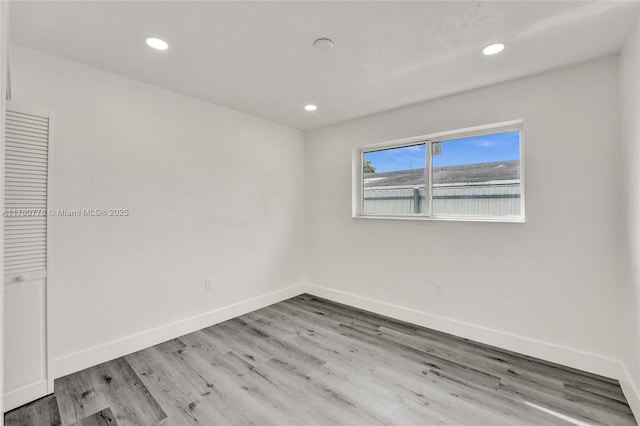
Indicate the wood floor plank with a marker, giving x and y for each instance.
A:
(249, 377)
(271, 342)
(101, 418)
(179, 395)
(399, 375)
(129, 399)
(226, 341)
(77, 398)
(309, 361)
(504, 361)
(226, 389)
(598, 387)
(486, 364)
(270, 345)
(583, 410)
(41, 412)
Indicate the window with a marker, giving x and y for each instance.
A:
(468, 174)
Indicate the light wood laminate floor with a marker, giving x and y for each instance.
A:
(307, 361)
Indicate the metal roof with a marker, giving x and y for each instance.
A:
(465, 173)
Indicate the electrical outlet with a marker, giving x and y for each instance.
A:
(208, 284)
(438, 288)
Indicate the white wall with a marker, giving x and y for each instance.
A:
(630, 161)
(549, 287)
(213, 193)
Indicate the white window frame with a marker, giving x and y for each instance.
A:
(428, 140)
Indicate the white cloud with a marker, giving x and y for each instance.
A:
(484, 143)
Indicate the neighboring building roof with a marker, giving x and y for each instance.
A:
(478, 172)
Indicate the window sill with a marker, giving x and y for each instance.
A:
(445, 218)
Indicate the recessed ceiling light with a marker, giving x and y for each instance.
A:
(323, 44)
(310, 107)
(492, 49)
(156, 43)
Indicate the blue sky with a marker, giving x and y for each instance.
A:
(475, 149)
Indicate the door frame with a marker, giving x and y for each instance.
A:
(4, 68)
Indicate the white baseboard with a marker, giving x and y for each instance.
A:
(535, 348)
(86, 358)
(14, 398)
(631, 390)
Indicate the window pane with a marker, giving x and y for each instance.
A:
(394, 181)
(477, 176)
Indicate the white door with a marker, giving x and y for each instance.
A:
(26, 171)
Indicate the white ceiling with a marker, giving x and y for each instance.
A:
(257, 57)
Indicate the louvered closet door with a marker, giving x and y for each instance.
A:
(26, 172)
